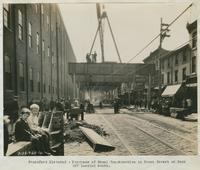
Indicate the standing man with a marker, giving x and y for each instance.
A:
(82, 108)
(94, 57)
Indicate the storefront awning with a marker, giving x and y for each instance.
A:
(171, 90)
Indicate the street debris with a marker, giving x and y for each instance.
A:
(73, 133)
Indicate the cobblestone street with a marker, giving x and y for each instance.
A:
(140, 134)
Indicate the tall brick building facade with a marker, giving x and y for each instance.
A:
(36, 51)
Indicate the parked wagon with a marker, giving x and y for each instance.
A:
(75, 113)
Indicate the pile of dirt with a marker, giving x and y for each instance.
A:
(74, 134)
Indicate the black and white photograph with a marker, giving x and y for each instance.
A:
(100, 78)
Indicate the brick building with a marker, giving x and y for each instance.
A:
(36, 50)
(175, 66)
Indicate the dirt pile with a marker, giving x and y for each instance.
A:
(74, 134)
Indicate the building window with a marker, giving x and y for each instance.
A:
(168, 63)
(42, 45)
(42, 9)
(20, 25)
(168, 77)
(49, 89)
(42, 12)
(6, 15)
(48, 20)
(36, 8)
(48, 52)
(176, 60)
(194, 64)
(30, 34)
(157, 65)
(162, 78)
(38, 81)
(184, 73)
(184, 57)
(194, 39)
(21, 76)
(162, 65)
(44, 87)
(176, 76)
(8, 75)
(31, 79)
(37, 42)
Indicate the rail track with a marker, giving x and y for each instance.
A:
(141, 137)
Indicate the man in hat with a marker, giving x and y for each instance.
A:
(23, 132)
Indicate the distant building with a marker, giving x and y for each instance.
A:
(175, 66)
(36, 50)
(192, 29)
(155, 58)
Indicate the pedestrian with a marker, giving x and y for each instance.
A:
(88, 59)
(100, 105)
(82, 108)
(115, 106)
(94, 57)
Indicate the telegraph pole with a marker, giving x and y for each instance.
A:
(163, 33)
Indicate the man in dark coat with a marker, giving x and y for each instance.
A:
(22, 129)
(24, 133)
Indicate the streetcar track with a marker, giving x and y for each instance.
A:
(153, 149)
(165, 143)
(146, 121)
(159, 131)
(119, 137)
(138, 115)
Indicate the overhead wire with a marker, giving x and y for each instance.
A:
(148, 44)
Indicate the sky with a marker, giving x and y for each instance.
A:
(134, 26)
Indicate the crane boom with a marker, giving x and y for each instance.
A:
(101, 37)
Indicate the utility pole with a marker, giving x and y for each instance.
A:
(163, 33)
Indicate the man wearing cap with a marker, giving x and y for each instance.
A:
(24, 133)
(22, 129)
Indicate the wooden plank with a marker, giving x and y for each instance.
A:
(98, 142)
(16, 147)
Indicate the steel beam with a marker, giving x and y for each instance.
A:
(98, 143)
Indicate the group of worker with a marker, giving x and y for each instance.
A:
(93, 58)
